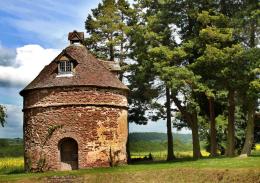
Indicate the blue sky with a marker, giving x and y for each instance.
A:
(43, 22)
(32, 33)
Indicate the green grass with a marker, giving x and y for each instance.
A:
(206, 163)
(185, 169)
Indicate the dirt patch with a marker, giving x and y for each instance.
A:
(180, 175)
(63, 179)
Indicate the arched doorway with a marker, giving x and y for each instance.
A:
(68, 154)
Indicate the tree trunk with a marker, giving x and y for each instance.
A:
(253, 25)
(192, 122)
(121, 59)
(111, 53)
(111, 49)
(195, 136)
(127, 145)
(246, 151)
(213, 131)
(223, 7)
(122, 56)
(170, 154)
(230, 151)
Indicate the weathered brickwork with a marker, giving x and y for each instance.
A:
(95, 118)
(74, 95)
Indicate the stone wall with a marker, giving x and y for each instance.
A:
(74, 95)
(96, 119)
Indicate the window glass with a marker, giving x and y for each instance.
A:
(65, 67)
(68, 66)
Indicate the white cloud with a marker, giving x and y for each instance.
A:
(29, 61)
(17, 71)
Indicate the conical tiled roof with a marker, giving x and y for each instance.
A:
(88, 72)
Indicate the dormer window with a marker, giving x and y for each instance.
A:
(65, 67)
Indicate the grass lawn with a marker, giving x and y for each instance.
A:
(213, 170)
(181, 170)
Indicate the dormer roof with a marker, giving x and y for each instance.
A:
(76, 36)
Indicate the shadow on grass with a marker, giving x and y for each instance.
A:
(255, 155)
(162, 161)
(11, 171)
(176, 160)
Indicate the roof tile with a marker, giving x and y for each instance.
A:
(88, 72)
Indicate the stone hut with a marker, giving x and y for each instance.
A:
(75, 113)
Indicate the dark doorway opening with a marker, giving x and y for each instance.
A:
(69, 154)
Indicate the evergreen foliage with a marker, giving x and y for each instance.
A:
(211, 75)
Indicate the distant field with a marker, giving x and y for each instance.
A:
(11, 147)
(258, 147)
(11, 165)
(162, 155)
